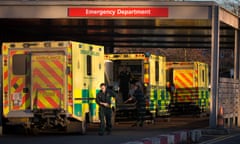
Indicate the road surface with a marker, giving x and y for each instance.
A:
(123, 132)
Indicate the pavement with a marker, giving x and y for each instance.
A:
(196, 136)
(184, 130)
(198, 133)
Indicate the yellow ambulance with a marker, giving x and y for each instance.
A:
(51, 85)
(146, 68)
(190, 81)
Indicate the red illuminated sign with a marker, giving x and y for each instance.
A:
(118, 12)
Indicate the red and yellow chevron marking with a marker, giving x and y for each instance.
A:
(13, 86)
(70, 66)
(48, 80)
(70, 96)
(69, 81)
(184, 83)
(48, 98)
(5, 84)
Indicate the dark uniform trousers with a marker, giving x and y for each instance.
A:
(105, 114)
(140, 107)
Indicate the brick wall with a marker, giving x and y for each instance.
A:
(228, 99)
(174, 54)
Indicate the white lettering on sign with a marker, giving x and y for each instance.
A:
(118, 12)
(114, 12)
(100, 12)
(133, 12)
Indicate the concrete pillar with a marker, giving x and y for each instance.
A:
(237, 70)
(214, 67)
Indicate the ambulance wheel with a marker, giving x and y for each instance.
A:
(34, 131)
(83, 127)
(76, 127)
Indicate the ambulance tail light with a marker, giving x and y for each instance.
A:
(146, 74)
(146, 59)
(146, 79)
(5, 61)
(70, 100)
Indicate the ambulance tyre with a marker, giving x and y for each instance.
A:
(83, 128)
(34, 131)
(74, 126)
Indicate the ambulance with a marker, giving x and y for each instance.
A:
(146, 68)
(51, 85)
(190, 81)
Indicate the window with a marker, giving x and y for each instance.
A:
(156, 70)
(89, 65)
(203, 75)
(19, 64)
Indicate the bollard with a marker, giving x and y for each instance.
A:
(220, 118)
(151, 140)
(194, 136)
(180, 137)
(170, 139)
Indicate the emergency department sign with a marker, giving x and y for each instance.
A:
(118, 12)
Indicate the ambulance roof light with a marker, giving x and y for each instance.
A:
(60, 44)
(80, 46)
(27, 45)
(116, 56)
(90, 48)
(12, 45)
(47, 44)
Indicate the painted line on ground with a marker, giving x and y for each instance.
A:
(221, 138)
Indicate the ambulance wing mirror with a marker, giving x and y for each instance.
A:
(68, 70)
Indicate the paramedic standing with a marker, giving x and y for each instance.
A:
(103, 99)
(138, 95)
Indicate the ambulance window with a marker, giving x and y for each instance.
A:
(203, 76)
(89, 65)
(156, 71)
(19, 64)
